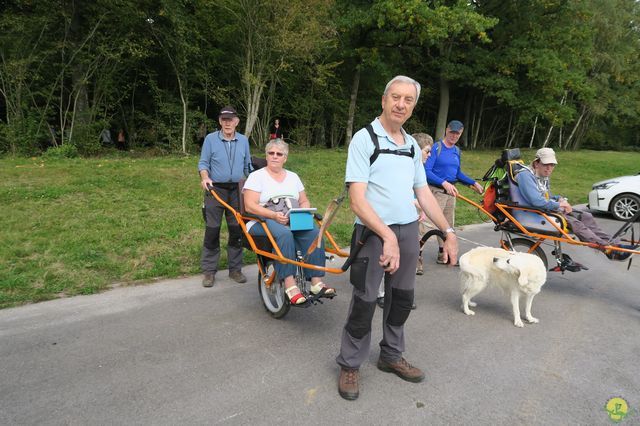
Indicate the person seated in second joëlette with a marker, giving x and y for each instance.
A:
(534, 185)
(274, 181)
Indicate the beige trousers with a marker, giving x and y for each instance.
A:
(448, 205)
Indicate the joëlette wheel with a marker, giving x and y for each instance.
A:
(524, 245)
(272, 292)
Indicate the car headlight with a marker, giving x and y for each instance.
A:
(605, 185)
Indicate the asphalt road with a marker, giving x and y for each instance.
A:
(174, 352)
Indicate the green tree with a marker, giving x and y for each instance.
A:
(274, 37)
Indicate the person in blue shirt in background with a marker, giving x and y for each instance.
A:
(225, 159)
(443, 172)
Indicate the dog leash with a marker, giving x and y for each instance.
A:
(463, 239)
(470, 241)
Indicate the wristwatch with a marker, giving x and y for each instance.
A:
(449, 231)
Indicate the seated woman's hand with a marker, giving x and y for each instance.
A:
(281, 218)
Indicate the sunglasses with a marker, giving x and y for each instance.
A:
(276, 153)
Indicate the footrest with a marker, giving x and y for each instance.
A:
(567, 264)
(315, 298)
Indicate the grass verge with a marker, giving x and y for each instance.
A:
(78, 226)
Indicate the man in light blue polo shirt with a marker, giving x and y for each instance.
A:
(382, 192)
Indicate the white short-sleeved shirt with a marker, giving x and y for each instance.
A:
(391, 179)
(260, 181)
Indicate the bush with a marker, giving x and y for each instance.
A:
(22, 137)
(86, 138)
(63, 151)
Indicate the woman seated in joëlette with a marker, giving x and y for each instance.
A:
(275, 182)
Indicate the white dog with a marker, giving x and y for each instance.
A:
(518, 274)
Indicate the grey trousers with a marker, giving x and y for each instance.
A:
(399, 289)
(213, 212)
(586, 229)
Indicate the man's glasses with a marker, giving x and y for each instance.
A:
(276, 153)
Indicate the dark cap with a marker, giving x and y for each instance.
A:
(455, 126)
(228, 112)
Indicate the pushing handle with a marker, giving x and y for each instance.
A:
(356, 245)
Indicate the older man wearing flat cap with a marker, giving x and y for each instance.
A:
(225, 159)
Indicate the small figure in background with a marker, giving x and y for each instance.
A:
(122, 141)
(276, 130)
(105, 137)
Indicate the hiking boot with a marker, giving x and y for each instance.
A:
(348, 383)
(419, 267)
(209, 280)
(238, 277)
(402, 369)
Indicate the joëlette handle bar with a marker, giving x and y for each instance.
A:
(564, 236)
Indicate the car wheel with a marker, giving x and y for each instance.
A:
(625, 206)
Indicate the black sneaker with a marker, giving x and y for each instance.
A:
(621, 255)
(380, 301)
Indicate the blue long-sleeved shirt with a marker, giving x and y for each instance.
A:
(536, 193)
(225, 160)
(445, 166)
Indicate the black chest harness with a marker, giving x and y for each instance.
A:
(377, 151)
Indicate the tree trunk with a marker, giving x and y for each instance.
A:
(352, 104)
(507, 141)
(322, 136)
(533, 133)
(560, 137)
(443, 109)
(546, 140)
(253, 83)
(81, 107)
(184, 118)
(477, 124)
(575, 127)
(467, 120)
(582, 130)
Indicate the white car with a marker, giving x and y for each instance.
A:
(620, 196)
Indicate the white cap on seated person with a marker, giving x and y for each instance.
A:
(546, 156)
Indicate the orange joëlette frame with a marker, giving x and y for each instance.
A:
(334, 248)
(564, 236)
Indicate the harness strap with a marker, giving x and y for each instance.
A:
(439, 148)
(377, 151)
